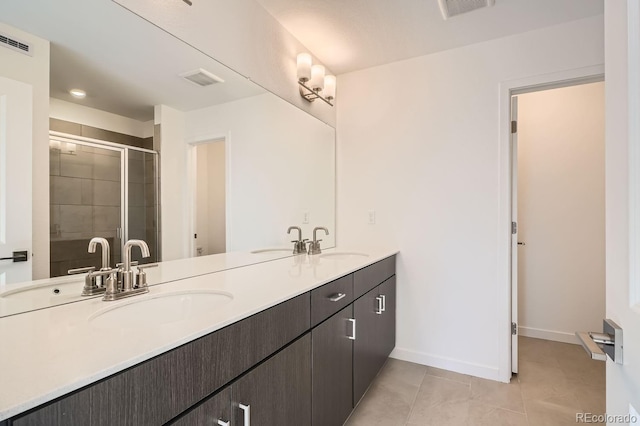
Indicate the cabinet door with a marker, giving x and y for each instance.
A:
(332, 355)
(215, 411)
(387, 291)
(368, 355)
(278, 391)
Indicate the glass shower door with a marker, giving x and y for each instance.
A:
(86, 201)
(142, 197)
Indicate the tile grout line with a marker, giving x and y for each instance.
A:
(415, 398)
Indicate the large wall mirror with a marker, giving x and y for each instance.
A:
(168, 146)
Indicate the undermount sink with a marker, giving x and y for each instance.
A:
(344, 255)
(57, 291)
(157, 309)
(273, 250)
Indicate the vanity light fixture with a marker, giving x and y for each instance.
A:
(314, 84)
(78, 93)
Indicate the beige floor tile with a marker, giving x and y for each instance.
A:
(484, 415)
(591, 399)
(441, 402)
(548, 413)
(537, 350)
(381, 405)
(445, 374)
(500, 395)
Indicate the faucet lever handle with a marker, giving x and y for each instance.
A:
(145, 266)
(81, 270)
(133, 263)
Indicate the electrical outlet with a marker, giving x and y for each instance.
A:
(372, 217)
(305, 217)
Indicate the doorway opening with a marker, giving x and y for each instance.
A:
(558, 232)
(209, 192)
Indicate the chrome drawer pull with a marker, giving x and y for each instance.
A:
(353, 330)
(379, 307)
(247, 414)
(337, 296)
(223, 423)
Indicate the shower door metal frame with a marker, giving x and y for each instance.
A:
(123, 231)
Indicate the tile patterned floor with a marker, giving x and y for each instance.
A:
(556, 381)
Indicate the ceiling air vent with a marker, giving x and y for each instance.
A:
(451, 8)
(14, 44)
(201, 77)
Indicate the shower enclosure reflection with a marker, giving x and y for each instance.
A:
(99, 189)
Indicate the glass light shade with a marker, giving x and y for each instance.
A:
(329, 90)
(304, 67)
(317, 77)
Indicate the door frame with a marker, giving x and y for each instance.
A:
(507, 89)
(192, 161)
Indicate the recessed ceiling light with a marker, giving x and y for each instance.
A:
(77, 93)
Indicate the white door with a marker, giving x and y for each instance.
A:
(15, 179)
(623, 198)
(514, 235)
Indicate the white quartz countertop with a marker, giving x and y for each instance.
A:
(48, 353)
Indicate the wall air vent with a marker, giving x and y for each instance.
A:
(451, 8)
(201, 77)
(14, 44)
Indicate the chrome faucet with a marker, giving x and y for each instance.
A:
(299, 245)
(314, 246)
(127, 283)
(95, 282)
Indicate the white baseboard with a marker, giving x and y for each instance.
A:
(477, 370)
(556, 336)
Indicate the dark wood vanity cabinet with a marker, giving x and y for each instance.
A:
(276, 392)
(333, 369)
(375, 315)
(296, 363)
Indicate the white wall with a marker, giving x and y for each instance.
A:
(68, 111)
(174, 221)
(281, 163)
(34, 70)
(423, 150)
(561, 269)
(240, 34)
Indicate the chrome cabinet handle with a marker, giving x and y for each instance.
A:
(337, 296)
(379, 307)
(353, 329)
(223, 423)
(246, 410)
(384, 302)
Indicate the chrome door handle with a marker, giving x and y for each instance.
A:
(384, 302)
(246, 410)
(223, 423)
(337, 296)
(601, 345)
(353, 328)
(379, 307)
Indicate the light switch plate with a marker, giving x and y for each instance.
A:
(372, 217)
(305, 216)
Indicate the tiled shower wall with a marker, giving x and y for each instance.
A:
(85, 200)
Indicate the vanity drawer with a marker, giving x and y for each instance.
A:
(367, 278)
(330, 298)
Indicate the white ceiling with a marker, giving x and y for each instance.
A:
(348, 35)
(125, 64)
